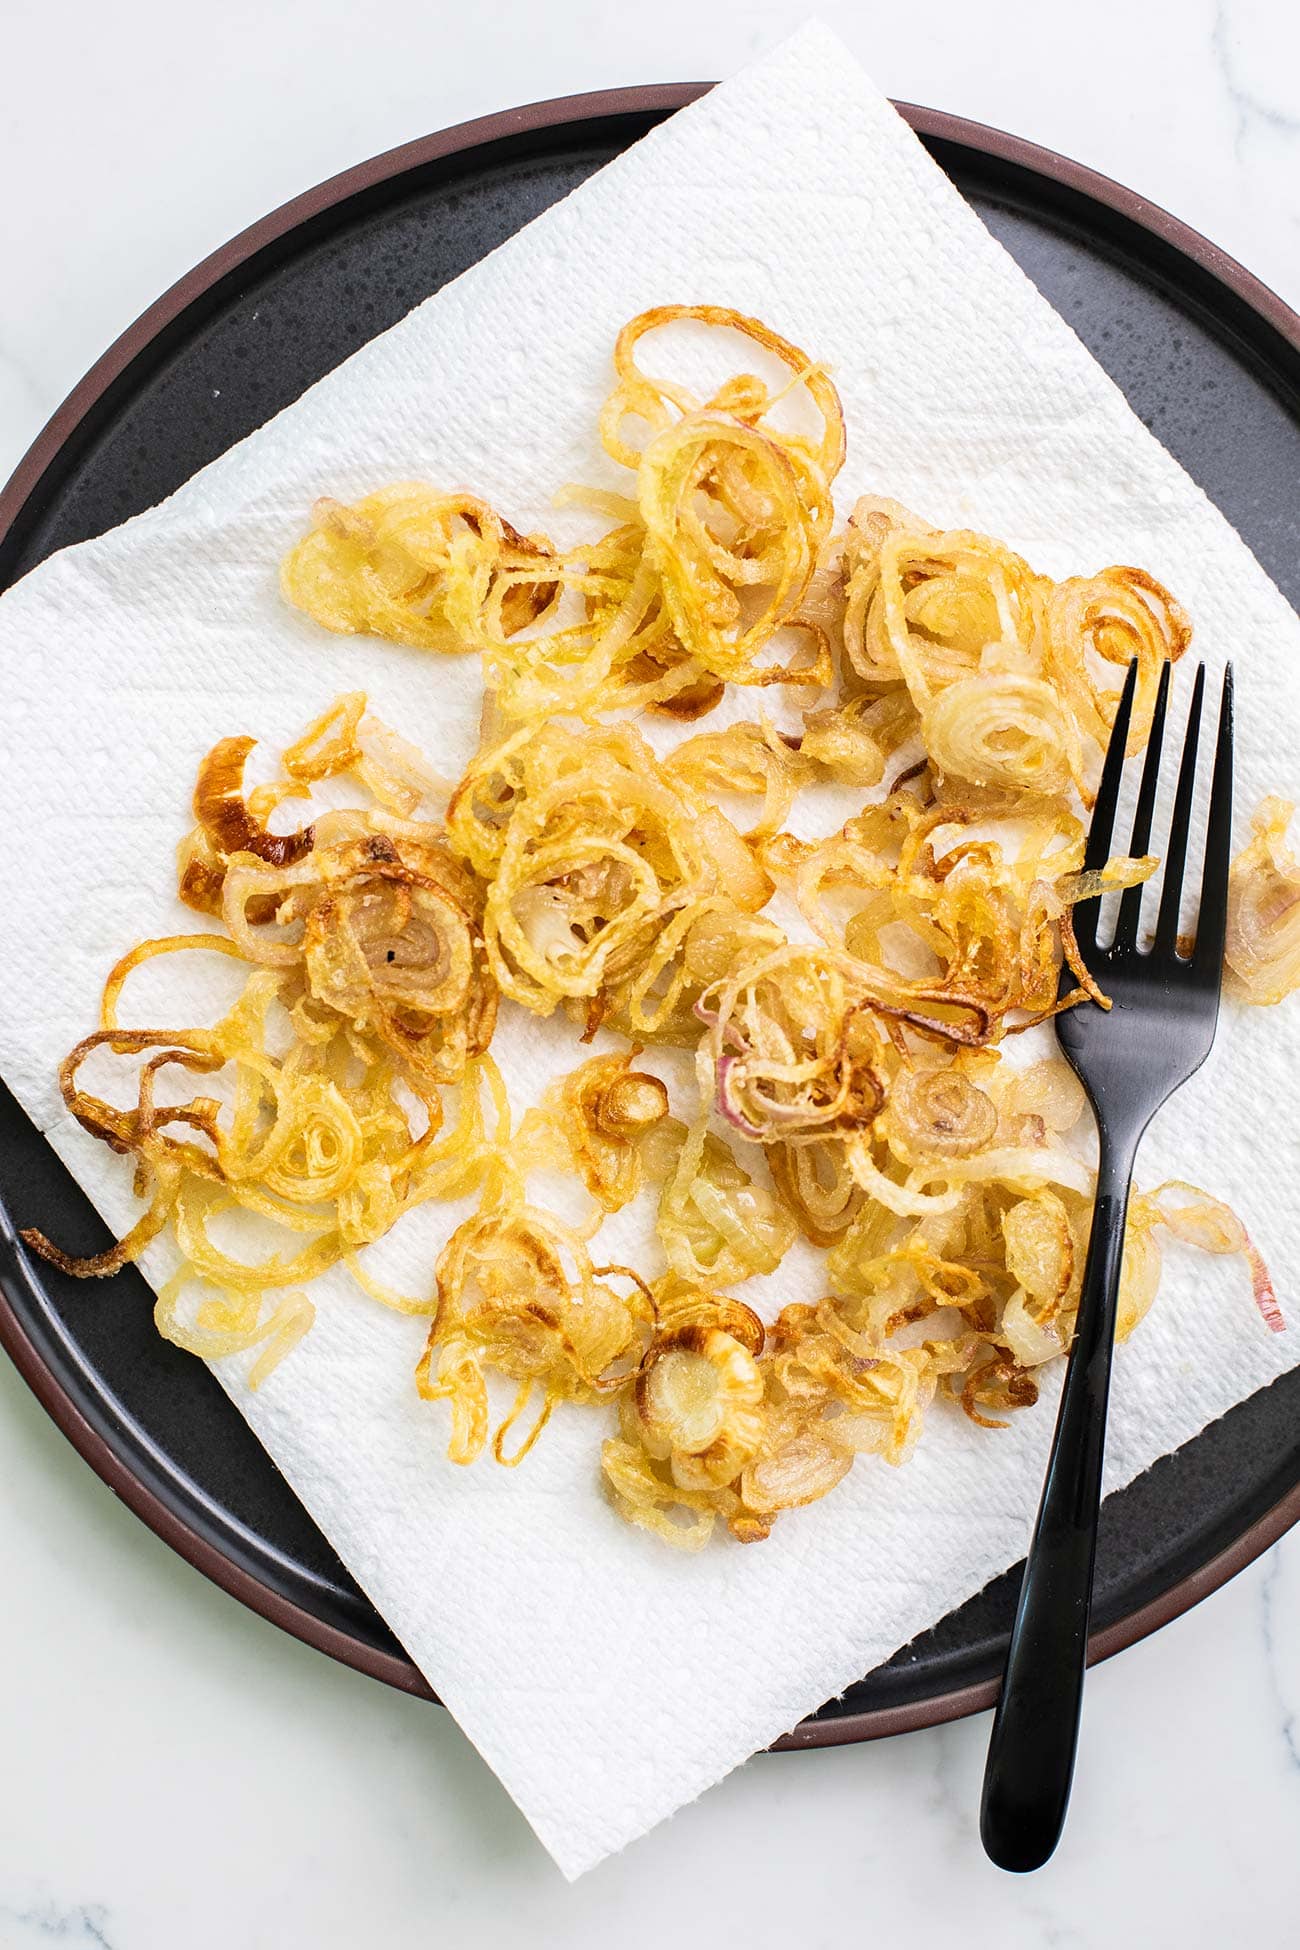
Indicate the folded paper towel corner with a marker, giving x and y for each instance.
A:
(607, 1680)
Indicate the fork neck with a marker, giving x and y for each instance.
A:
(1116, 1154)
(1121, 1124)
(1088, 1375)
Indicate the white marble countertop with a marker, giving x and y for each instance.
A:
(176, 1772)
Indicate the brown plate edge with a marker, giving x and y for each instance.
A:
(388, 1667)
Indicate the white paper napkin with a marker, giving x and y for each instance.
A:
(606, 1679)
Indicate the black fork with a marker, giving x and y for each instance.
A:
(1130, 1059)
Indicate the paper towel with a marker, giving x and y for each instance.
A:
(606, 1679)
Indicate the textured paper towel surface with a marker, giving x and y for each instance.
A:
(606, 1680)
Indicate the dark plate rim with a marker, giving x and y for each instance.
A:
(541, 117)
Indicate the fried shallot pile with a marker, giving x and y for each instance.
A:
(846, 1000)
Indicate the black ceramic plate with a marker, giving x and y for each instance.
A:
(1209, 359)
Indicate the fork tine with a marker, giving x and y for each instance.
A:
(1166, 940)
(1212, 921)
(1097, 851)
(1130, 906)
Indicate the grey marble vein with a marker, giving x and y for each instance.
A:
(53, 1923)
(1249, 109)
(1274, 1649)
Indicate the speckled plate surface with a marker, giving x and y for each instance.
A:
(1211, 362)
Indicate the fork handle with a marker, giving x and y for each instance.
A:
(1036, 1726)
